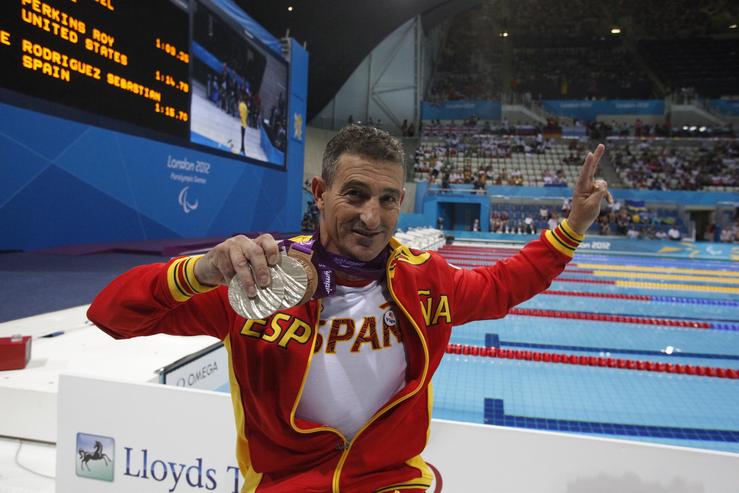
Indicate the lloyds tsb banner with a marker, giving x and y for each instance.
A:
(116, 436)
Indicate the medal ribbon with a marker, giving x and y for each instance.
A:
(327, 263)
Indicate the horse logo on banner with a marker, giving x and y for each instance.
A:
(98, 454)
(95, 457)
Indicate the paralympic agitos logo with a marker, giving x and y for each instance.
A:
(186, 205)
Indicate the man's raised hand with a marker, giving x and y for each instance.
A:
(588, 194)
(234, 257)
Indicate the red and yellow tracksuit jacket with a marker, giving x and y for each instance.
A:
(278, 451)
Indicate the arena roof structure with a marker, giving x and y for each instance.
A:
(339, 33)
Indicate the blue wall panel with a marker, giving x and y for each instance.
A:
(727, 107)
(296, 123)
(588, 110)
(63, 182)
(683, 197)
(461, 110)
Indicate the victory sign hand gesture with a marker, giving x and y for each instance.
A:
(588, 194)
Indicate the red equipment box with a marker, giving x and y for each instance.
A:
(15, 352)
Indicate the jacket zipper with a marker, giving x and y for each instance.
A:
(300, 392)
(345, 454)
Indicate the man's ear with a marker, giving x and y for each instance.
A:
(318, 187)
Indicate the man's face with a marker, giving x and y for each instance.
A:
(360, 210)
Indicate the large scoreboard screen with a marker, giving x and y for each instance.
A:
(183, 70)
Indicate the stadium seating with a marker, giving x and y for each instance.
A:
(469, 64)
(708, 65)
(676, 165)
(578, 68)
(500, 157)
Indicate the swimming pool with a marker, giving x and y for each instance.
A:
(669, 320)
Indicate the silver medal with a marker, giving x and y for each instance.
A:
(267, 301)
(294, 278)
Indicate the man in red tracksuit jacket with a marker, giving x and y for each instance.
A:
(333, 395)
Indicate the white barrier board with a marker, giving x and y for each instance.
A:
(121, 437)
(152, 438)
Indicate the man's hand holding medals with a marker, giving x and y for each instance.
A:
(261, 277)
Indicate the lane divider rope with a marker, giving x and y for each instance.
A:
(624, 319)
(645, 297)
(595, 361)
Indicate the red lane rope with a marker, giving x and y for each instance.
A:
(568, 270)
(465, 248)
(603, 317)
(596, 361)
(463, 253)
(617, 296)
(474, 255)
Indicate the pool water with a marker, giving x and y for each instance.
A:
(696, 307)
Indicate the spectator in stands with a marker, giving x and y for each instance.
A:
(553, 221)
(489, 175)
(633, 233)
(480, 183)
(436, 171)
(559, 179)
(504, 222)
(622, 222)
(495, 222)
(502, 178)
(445, 177)
(418, 164)
(570, 159)
(528, 225)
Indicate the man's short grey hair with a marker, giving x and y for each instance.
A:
(363, 141)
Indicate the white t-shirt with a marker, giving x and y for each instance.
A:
(360, 363)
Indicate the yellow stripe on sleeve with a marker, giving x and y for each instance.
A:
(181, 279)
(192, 280)
(175, 289)
(565, 225)
(558, 244)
